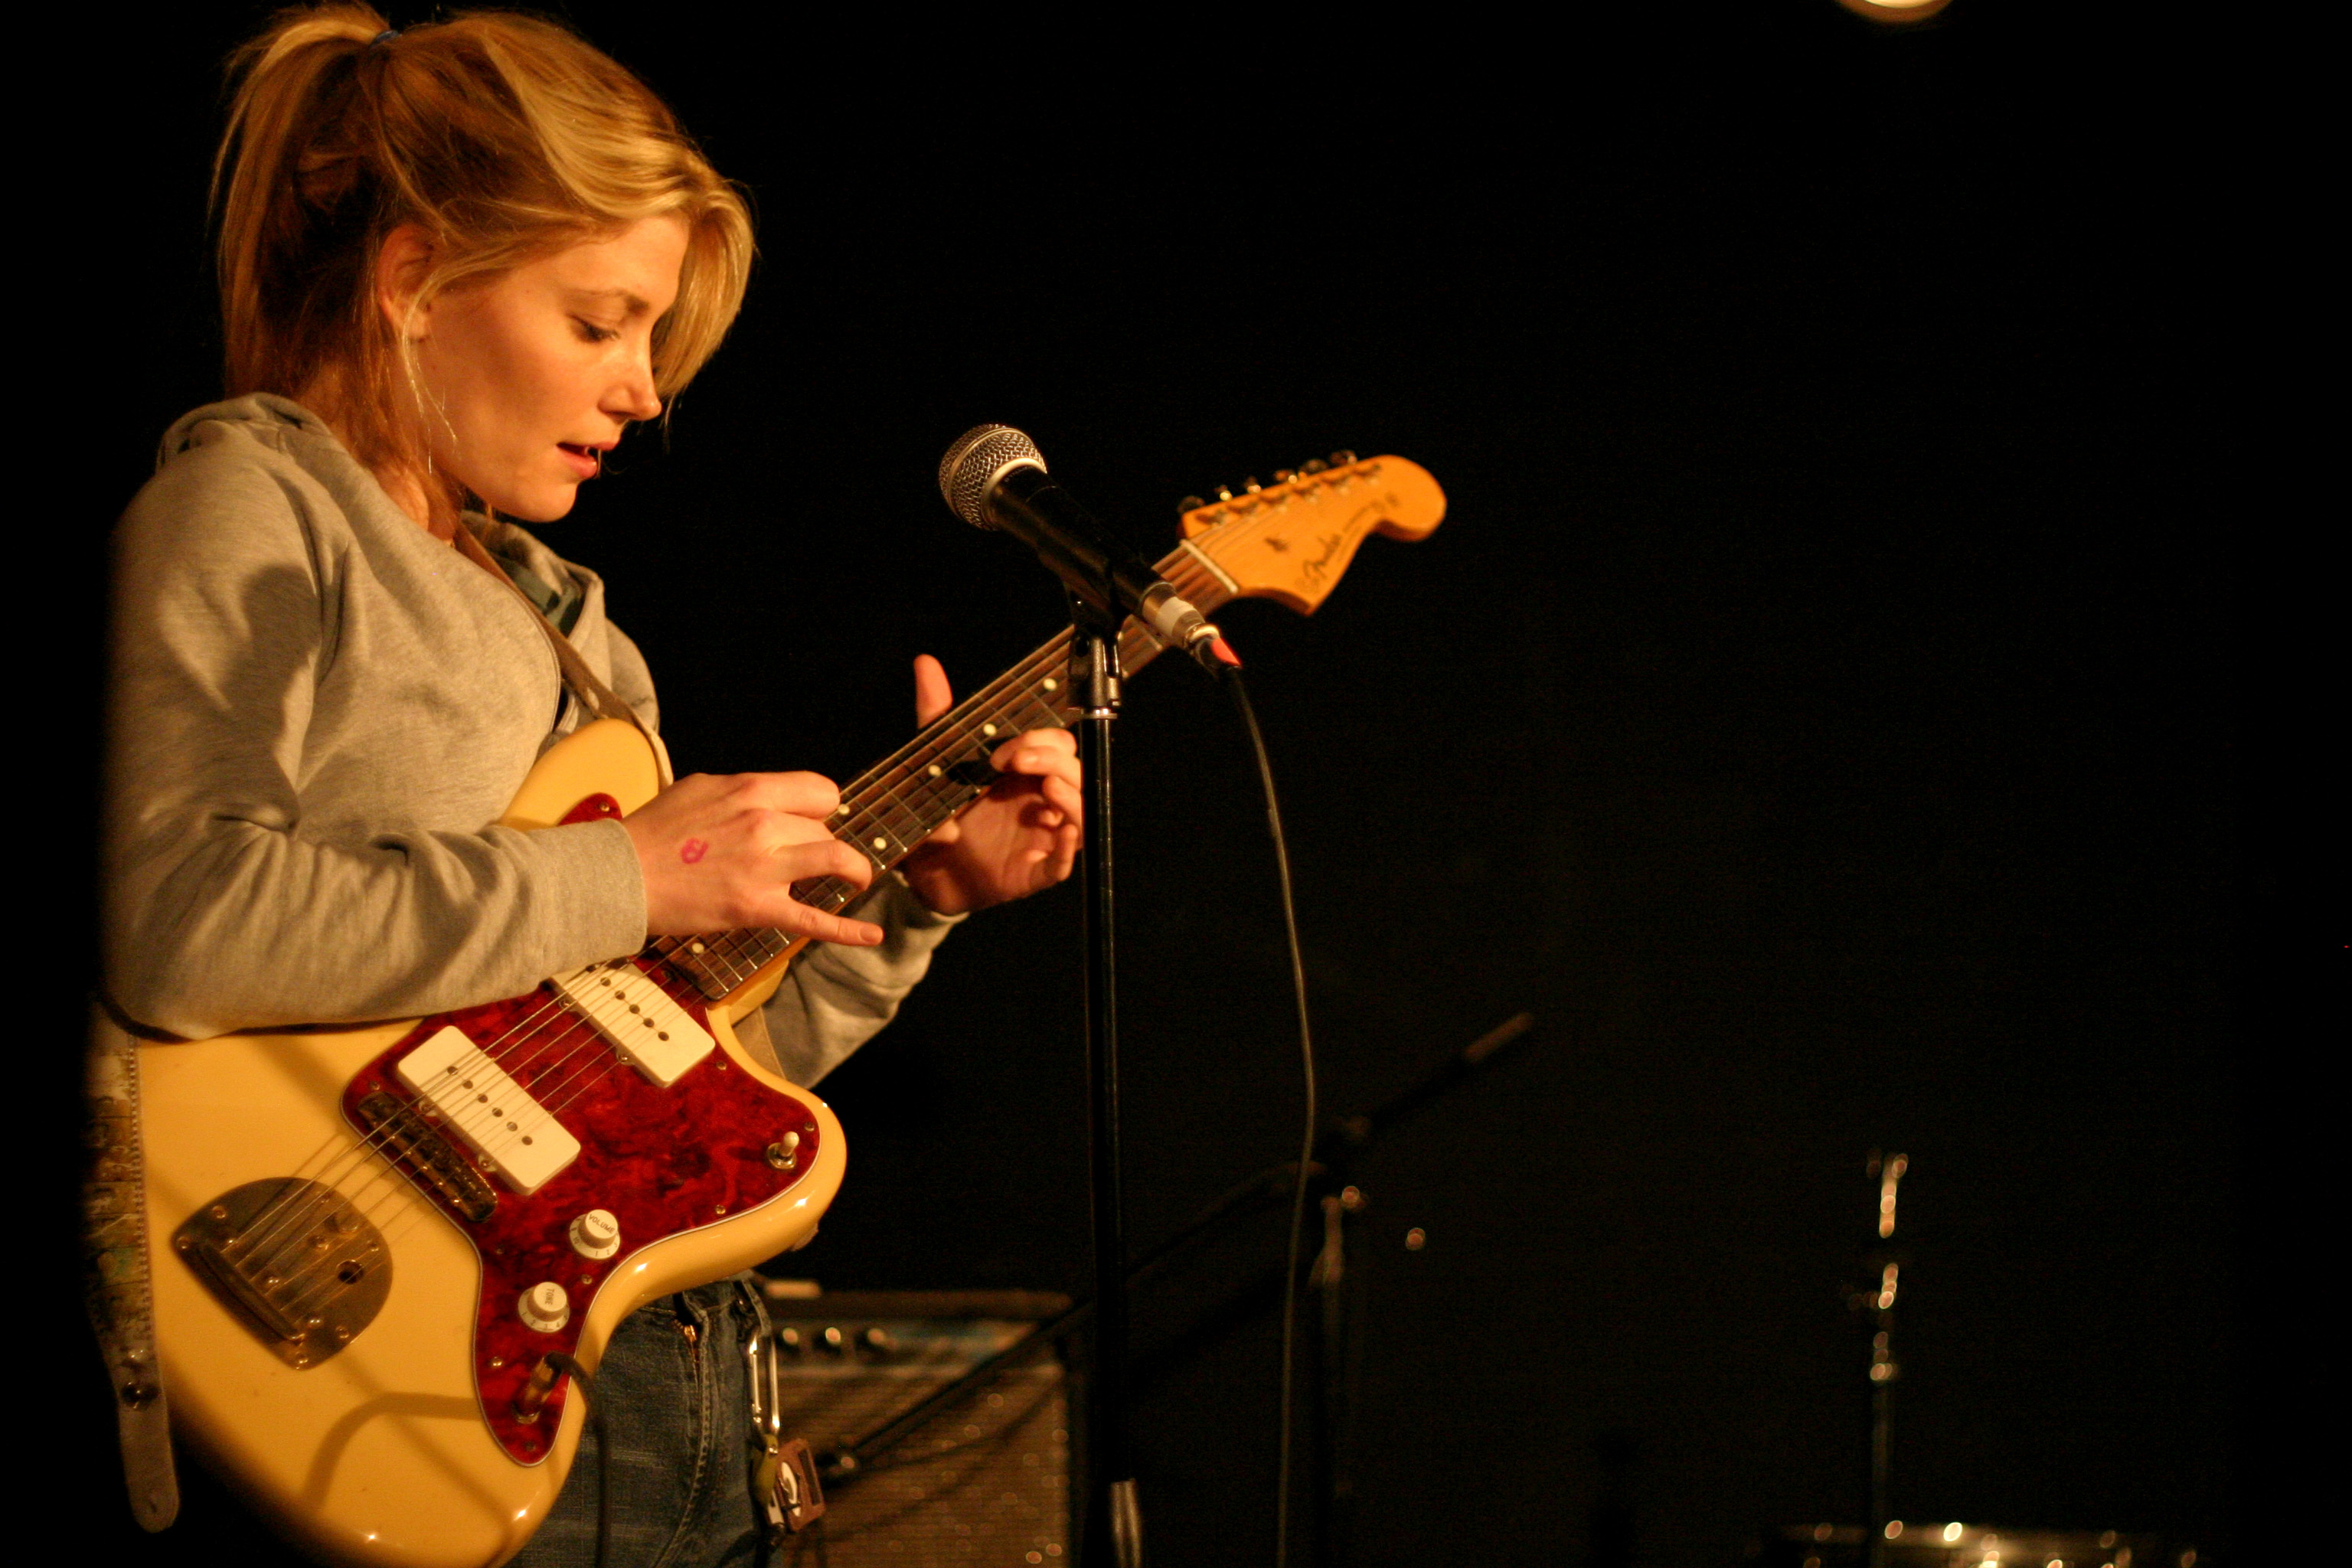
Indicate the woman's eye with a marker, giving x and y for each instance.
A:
(593, 334)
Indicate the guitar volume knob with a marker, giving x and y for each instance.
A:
(596, 1234)
(545, 1307)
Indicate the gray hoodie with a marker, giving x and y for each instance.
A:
(319, 712)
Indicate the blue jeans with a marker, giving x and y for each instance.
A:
(678, 1407)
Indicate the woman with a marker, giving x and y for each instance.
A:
(456, 263)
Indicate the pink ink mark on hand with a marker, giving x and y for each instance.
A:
(693, 849)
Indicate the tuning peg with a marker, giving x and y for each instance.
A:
(1224, 492)
(1191, 503)
(1313, 466)
(1284, 476)
(1252, 486)
(1342, 458)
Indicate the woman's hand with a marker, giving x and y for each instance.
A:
(1022, 837)
(723, 852)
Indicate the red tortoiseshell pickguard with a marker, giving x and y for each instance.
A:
(662, 1161)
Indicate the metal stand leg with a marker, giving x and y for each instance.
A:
(1095, 676)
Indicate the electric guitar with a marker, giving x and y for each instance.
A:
(368, 1240)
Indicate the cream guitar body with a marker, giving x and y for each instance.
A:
(381, 1450)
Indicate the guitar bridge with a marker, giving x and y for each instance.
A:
(404, 1136)
(294, 1260)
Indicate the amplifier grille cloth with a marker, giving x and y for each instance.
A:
(986, 1482)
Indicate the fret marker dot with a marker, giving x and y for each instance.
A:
(933, 770)
(694, 947)
(988, 729)
(880, 842)
(1052, 684)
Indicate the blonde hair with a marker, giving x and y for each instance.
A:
(502, 137)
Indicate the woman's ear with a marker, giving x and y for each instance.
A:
(402, 265)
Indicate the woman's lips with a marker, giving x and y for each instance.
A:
(585, 460)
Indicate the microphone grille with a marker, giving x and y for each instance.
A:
(981, 457)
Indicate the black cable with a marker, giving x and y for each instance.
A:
(587, 1387)
(1306, 1139)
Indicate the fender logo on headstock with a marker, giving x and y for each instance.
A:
(1330, 508)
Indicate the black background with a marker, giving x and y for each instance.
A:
(1817, 708)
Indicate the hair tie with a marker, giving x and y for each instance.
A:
(384, 38)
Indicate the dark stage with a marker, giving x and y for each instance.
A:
(1816, 708)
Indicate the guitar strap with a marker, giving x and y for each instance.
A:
(115, 1286)
(593, 694)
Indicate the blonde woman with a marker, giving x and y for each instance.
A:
(456, 263)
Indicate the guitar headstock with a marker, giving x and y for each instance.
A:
(1292, 541)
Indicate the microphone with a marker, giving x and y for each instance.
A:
(994, 478)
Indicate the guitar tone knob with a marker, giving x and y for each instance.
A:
(596, 1234)
(545, 1307)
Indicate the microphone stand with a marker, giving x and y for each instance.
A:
(1110, 1449)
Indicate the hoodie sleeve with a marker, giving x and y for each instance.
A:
(282, 849)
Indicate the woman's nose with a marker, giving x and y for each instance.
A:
(634, 397)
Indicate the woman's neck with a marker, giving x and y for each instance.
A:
(402, 483)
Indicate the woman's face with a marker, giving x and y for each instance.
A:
(535, 371)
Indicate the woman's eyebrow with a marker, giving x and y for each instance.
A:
(634, 304)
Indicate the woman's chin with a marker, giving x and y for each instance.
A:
(539, 503)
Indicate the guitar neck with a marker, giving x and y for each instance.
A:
(888, 811)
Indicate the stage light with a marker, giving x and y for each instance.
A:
(1895, 12)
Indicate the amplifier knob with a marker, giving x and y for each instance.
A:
(596, 1234)
(545, 1307)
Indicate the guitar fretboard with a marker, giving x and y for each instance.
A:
(888, 810)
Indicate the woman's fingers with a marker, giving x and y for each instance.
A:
(793, 917)
(723, 852)
(1050, 757)
(933, 696)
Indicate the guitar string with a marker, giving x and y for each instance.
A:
(581, 1030)
(271, 1226)
(1183, 567)
(323, 1274)
(260, 1230)
(1014, 688)
(1001, 698)
(947, 736)
(283, 1222)
(270, 1235)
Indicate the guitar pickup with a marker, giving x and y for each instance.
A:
(489, 1111)
(653, 1033)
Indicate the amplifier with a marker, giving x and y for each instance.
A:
(987, 1481)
